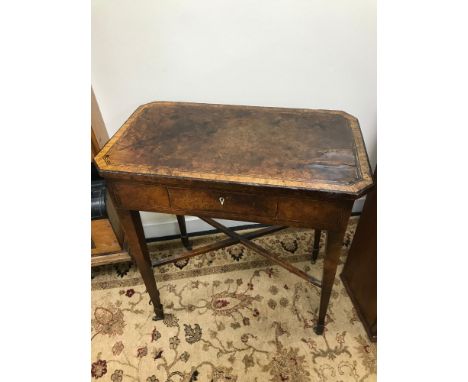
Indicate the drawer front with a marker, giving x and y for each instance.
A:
(220, 201)
(313, 213)
(141, 197)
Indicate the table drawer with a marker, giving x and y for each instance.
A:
(141, 197)
(221, 201)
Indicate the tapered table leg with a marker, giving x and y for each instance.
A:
(183, 232)
(332, 255)
(316, 249)
(131, 224)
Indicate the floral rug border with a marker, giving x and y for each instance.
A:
(100, 285)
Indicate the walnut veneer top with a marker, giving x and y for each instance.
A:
(317, 150)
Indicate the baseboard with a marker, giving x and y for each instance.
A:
(170, 229)
(194, 224)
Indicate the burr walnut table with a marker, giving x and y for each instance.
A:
(281, 167)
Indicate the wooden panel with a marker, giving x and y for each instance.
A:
(141, 197)
(221, 201)
(103, 238)
(94, 145)
(360, 271)
(316, 150)
(114, 219)
(97, 123)
(319, 214)
(114, 258)
(99, 137)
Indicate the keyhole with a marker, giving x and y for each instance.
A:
(221, 200)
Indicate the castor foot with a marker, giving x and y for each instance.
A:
(319, 328)
(158, 317)
(186, 243)
(314, 256)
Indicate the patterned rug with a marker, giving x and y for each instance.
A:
(230, 315)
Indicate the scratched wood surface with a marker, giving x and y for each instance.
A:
(320, 150)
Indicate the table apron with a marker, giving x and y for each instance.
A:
(295, 211)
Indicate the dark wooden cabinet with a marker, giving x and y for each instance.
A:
(360, 271)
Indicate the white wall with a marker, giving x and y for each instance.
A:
(286, 53)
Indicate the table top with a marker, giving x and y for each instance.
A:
(317, 150)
